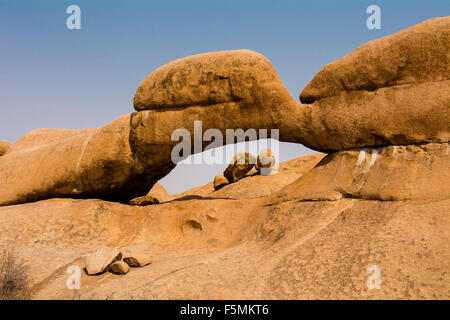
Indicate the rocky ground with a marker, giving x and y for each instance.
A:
(233, 245)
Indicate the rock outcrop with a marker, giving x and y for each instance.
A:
(390, 91)
(266, 163)
(253, 185)
(394, 173)
(124, 159)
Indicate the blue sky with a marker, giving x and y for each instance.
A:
(52, 77)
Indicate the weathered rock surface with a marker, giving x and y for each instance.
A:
(124, 159)
(414, 55)
(390, 91)
(101, 260)
(119, 267)
(219, 182)
(137, 260)
(143, 201)
(193, 89)
(241, 76)
(39, 137)
(4, 147)
(394, 173)
(239, 166)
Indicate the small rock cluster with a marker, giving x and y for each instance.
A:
(110, 259)
(242, 163)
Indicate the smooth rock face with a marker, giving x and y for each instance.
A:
(245, 249)
(239, 166)
(219, 182)
(4, 147)
(119, 267)
(99, 261)
(394, 173)
(143, 201)
(207, 79)
(223, 90)
(44, 136)
(137, 260)
(390, 91)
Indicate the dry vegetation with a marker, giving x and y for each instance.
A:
(13, 277)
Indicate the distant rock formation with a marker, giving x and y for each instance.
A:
(379, 197)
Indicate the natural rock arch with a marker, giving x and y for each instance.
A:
(351, 103)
